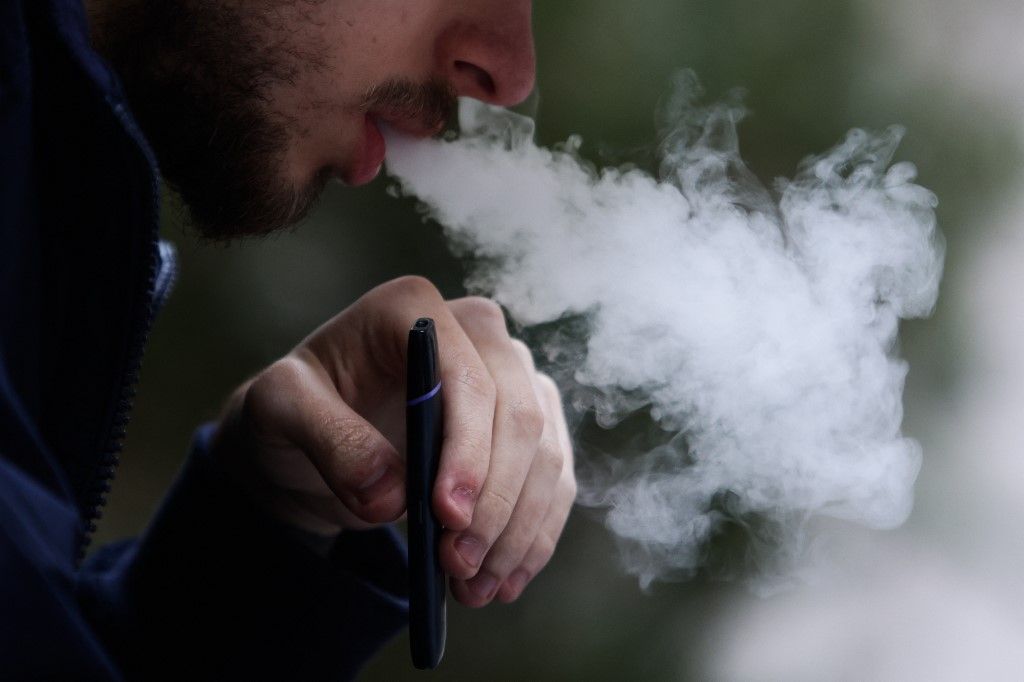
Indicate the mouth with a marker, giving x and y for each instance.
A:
(369, 158)
(367, 164)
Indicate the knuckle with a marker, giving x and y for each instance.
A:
(483, 311)
(548, 387)
(509, 550)
(570, 487)
(541, 552)
(567, 452)
(410, 286)
(520, 347)
(283, 374)
(265, 393)
(526, 418)
(551, 457)
(523, 352)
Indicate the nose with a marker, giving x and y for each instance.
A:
(489, 55)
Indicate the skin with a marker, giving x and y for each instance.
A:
(317, 437)
(252, 104)
(483, 49)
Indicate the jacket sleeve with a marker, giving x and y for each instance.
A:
(216, 589)
(43, 633)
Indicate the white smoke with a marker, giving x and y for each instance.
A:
(758, 331)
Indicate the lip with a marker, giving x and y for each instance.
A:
(368, 164)
(371, 157)
(411, 126)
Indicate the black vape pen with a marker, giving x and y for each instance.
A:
(423, 423)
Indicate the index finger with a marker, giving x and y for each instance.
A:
(468, 391)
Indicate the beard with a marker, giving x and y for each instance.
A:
(198, 77)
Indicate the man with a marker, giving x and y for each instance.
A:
(270, 557)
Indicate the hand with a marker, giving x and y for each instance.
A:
(317, 437)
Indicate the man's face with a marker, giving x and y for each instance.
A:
(251, 105)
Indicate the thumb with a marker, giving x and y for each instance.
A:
(294, 405)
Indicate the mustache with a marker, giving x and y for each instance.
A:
(432, 103)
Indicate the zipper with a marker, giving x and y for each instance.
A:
(161, 271)
(160, 281)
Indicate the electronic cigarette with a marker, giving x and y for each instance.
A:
(423, 420)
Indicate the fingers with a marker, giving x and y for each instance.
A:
(543, 546)
(562, 500)
(519, 533)
(505, 481)
(536, 524)
(518, 426)
(294, 408)
(383, 318)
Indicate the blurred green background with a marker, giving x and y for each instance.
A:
(812, 69)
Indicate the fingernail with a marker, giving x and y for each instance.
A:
(376, 485)
(483, 585)
(374, 477)
(517, 581)
(470, 549)
(464, 497)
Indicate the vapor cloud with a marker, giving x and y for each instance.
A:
(755, 330)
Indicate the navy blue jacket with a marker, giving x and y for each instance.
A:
(214, 588)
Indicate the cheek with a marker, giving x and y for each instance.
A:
(345, 48)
